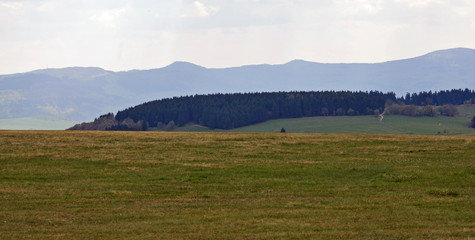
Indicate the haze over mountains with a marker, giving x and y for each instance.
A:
(83, 93)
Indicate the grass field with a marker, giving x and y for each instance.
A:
(467, 109)
(391, 124)
(165, 185)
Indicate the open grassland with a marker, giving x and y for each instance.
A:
(392, 124)
(156, 185)
(466, 110)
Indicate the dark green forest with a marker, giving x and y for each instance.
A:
(455, 97)
(227, 111)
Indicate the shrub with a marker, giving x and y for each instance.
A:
(448, 110)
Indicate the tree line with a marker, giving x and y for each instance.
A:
(454, 97)
(418, 111)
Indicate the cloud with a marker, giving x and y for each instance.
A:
(13, 7)
(355, 7)
(199, 9)
(108, 17)
(204, 11)
(56, 111)
(419, 3)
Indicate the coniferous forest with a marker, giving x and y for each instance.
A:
(227, 111)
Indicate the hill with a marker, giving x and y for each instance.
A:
(229, 111)
(392, 124)
(147, 185)
(80, 94)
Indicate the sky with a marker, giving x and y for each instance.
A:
(121, 35)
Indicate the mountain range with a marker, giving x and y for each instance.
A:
(82, 93)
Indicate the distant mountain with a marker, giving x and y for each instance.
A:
(80, 93)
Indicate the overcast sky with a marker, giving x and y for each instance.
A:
(144, 34)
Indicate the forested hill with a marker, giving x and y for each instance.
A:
(227, 111)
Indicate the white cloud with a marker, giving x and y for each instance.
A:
(56, 111)
(199, 9)
(354, 7)
(465, 9)
(108, 17)
(204, 11)
(419, 3)
(13, 7)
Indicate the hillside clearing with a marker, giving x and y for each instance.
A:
(392, 124)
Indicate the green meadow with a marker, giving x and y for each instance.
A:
(391, 124)
(176, 185)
